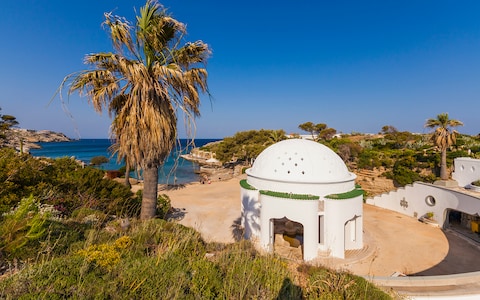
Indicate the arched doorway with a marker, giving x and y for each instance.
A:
(462, 222)
(287, 237)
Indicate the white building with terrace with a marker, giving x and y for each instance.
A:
(302, 191)
(453, 204)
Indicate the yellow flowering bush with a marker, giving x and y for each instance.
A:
(123, 242)
(106, 255)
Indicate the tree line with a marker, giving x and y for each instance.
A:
(405, 156)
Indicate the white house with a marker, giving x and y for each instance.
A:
(447, 204)
(466, 170)
(306, 183)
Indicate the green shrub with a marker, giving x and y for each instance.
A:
(369, 159)
(164, 206)
(245, 145)
(22, 229)
(98, 160)
(404, 175)
(61, 182)
(61, 278)
(17, 175)
(33, 231)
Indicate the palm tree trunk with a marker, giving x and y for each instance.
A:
(443, 165)
(127, 176)
(150, 190)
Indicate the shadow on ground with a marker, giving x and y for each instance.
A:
(289, 291)
(462, 257)
(176, 214)
(172, 187)
(237, 230)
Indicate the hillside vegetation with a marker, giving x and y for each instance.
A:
(391, 158)
(66, 232)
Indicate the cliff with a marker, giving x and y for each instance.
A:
(28, 139)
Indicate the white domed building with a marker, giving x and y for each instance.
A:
(302, 182)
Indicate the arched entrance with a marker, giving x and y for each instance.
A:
(287, 237)
(462, 222)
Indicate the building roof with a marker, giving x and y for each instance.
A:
(302, 161)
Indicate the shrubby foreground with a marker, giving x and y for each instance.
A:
(91, 245)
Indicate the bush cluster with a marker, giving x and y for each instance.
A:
(106, 255)
(245, 145)
(61, 182)
(33, 230)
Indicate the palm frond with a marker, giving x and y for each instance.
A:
(192, 53)
(120, 33)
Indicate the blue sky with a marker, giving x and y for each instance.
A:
(354, 65)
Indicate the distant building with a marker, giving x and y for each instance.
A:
(467, 170)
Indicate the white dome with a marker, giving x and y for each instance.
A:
(298, 160)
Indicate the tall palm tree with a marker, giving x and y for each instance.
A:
(143, 84)
(443, 137)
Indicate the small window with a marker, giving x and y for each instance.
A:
(430, 200)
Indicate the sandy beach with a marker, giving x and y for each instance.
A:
(393, 242)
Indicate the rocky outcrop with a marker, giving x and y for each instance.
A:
(373, 183)
(26, 139)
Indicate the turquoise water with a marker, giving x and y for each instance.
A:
(175, 169)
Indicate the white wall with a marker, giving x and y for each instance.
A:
(343, 221)
(301, 211)
(466, 170)
(250, 212)
(411, 201)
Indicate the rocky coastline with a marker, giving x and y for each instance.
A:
(25, 139)
(212, 169)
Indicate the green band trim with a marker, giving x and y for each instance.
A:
(348, 195)
(290, 195)
(244, 184)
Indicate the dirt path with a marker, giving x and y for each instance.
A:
(212, 209)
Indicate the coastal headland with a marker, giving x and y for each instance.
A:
(26, 139)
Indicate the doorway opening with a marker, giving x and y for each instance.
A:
(286, 236)
(463, 223)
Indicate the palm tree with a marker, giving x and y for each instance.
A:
(443, 137)
(143, 84)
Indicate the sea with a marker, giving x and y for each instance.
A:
(175, 170)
